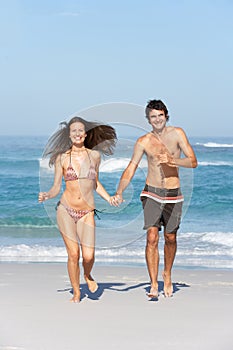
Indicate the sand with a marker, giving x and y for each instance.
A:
(36, 313)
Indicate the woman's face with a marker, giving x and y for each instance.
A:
(77, 133)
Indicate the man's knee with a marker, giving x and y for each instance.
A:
(152, 236)
(170, 238)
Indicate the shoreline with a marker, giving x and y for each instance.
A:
(36, 313)
(116, 264)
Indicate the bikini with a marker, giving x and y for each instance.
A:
(71, 175)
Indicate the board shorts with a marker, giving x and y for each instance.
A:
(162, 207)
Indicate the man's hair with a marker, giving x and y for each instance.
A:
(156, 104)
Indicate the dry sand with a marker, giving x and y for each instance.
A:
(36, 313)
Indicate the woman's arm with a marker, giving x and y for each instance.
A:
(102, 192)
(99, 187)
(55, 189)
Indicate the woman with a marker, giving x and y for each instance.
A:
(74, 151)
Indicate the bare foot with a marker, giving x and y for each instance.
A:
(167, 288)
(76, 297)
(153, 293)
(91, 283)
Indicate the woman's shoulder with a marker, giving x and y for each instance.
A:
(62, 157)
(65, 154)
(93, 152)
(95, 155)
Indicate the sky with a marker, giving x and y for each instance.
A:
(61, 58)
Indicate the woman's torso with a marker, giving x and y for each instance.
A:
(79, 171)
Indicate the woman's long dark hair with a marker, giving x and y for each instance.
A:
(101, 137)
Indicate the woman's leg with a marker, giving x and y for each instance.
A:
(67, 228)
(73, 252)
(86, 233)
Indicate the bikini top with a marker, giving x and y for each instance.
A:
(71, 174)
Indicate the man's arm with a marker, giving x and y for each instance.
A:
(189, 161)
(129, 172)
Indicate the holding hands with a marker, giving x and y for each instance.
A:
(116, 200)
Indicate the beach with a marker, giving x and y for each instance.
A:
(36, 313)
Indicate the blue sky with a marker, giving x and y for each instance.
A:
(59, 57)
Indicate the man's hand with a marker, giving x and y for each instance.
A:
(118, 199)
(166, 158)
(113, 201)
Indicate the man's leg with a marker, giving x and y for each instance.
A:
(170, 247)
(152, 259)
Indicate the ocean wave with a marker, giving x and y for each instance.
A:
(32, 252)
(215, 144)
(44, 165)
(224, 239)
(20, 225)
(220, 238)
(192, 245)
(217, 163)
(106, 166)
(118, 164)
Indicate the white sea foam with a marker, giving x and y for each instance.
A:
(206, 249)
(36, 252)
(215, 145)
(216, 163)
(221, 238)
(44, 165)
(118, 164)
(107, 166)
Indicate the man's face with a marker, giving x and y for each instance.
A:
(157, 119)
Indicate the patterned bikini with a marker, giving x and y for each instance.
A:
(71, 175)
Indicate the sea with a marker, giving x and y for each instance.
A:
(28, 230)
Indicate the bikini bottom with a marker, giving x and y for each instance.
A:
(75, 214)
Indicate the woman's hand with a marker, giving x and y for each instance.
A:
(43, 196)
(115, 200)
(112, 201)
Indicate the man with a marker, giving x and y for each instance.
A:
(161, 197)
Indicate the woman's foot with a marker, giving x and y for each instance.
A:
(153, 293)
(91, 283)
(76, 297)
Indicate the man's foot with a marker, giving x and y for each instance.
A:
(76, 297)
(153, 293)
(167, 288)
(91, 283)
